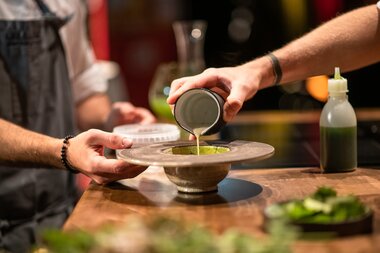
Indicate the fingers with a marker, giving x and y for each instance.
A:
(109, 140)
(174, 93)
(109, 170)
(122, 106)
(145, 116)
(231, 108)
(209, 78)
(127, 113)
(85, 153)
(219, 80)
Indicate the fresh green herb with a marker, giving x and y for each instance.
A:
(166, 235)
(323, 206)
(75, 242)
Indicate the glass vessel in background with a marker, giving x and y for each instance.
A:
(189, 36)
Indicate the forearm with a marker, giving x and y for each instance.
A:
(93, 112)
(19, 146)
(350, 41)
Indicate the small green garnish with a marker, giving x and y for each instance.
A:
(322, 207)
(167, 235)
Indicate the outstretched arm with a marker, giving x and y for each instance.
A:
(349, 41)
(19, 146)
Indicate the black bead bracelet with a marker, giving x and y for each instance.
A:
(66, 163)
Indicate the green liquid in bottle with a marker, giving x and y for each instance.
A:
(338, 149)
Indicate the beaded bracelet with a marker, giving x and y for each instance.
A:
(277, 72)
(64, 155)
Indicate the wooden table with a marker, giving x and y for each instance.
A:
(239, 202)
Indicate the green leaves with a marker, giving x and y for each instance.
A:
(323, 206)
(75, 242)
(323, 193)
(166, 235)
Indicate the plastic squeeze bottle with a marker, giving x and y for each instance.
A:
(338, 129)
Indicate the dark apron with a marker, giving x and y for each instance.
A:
(35, 93)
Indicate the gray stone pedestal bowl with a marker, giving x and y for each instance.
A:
(193, 173)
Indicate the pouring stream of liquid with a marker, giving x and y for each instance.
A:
(198, 132)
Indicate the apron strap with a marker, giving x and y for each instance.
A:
(48, 14)
(44, 8)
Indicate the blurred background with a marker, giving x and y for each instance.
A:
(140, 51)
(138, 36)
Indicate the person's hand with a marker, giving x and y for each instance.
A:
(235, 84)
(126, 113)
(86, 154)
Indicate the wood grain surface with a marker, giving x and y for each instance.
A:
(238, 204)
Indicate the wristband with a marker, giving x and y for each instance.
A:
(277, 72)
(66, 163)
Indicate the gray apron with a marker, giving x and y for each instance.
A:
(35, 93)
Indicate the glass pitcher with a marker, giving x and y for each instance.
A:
(189, 36)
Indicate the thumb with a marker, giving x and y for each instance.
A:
(234, 102)
(231, 108)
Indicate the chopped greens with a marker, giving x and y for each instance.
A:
(323, 206)
(166, 235)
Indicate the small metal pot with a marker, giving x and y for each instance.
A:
(200, 108)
